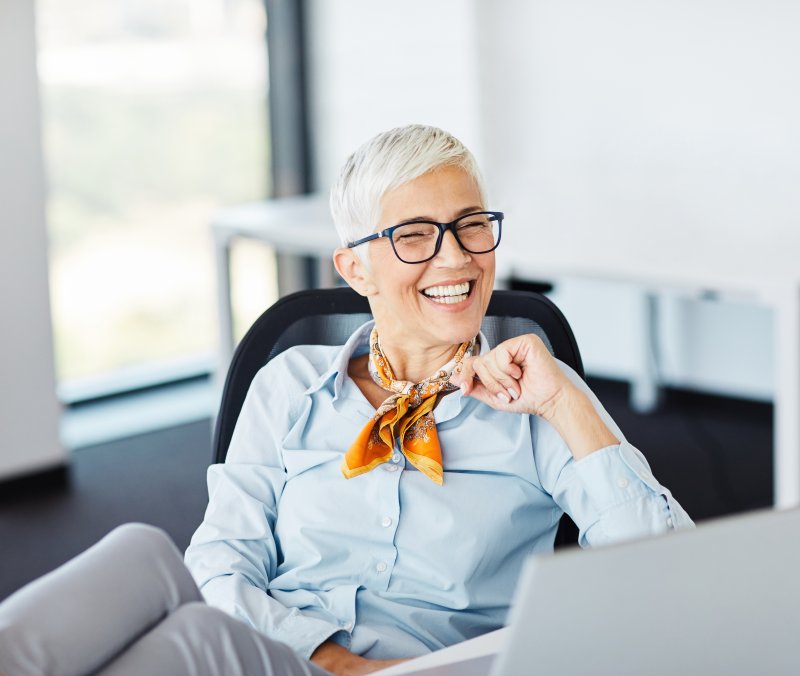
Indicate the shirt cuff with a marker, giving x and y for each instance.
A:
(614, 475)
(305, 634)
(626, 496)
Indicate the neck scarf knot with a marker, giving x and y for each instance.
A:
(405, 417)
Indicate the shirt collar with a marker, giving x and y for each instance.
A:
(338, 368)
(359, 339)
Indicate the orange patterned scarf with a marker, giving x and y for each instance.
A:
(407, 416)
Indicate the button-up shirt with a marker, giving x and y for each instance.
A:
(388, 563)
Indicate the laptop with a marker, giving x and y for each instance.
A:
(721, 599)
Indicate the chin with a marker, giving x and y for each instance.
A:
(455, 331)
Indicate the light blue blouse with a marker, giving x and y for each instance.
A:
(388, 563)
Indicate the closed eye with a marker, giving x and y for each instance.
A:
(413, 235)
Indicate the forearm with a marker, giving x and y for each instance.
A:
(578, 423)
(332, 657)
(233, 556)
(237, 596)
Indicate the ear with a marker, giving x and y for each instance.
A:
(353, 271)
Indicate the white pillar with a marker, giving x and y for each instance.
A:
(29, 410)
(787, 397)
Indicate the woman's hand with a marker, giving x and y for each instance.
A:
(521, 376)
(341, 662)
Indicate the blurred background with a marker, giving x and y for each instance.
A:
(645, 153)
(154, 114)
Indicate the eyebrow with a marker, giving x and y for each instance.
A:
(428, 219)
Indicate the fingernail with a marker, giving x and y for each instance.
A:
(502, 396)
(463, 387)
(513, 394)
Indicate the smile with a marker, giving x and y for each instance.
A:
(448, 295)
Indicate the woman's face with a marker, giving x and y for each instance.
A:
(405, 303)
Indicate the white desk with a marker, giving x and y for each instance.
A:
(766, 272)
(296, 226)
(467, 658)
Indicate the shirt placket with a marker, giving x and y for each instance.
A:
(386, 519)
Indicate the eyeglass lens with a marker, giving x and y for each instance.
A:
(415, 242)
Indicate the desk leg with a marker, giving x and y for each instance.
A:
(293, 273)
(327, 277)
(787, 398)
(645, 392)
(222, 251)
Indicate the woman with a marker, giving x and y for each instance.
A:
(345, 531)
(379, 498)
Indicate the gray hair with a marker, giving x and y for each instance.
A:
(387, 161)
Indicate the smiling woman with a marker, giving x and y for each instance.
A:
(345, 486)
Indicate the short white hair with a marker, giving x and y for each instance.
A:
(387, 161)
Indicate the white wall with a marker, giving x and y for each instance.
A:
(29, 411)
(675, 111)
(377, 65)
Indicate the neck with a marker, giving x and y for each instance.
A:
(417, 364)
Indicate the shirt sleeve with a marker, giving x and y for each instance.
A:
(233, 554)
(610, 494)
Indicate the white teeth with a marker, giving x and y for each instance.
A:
(442, 293)
(449, 300)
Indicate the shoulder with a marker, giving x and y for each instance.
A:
(275, 398)
(297, 368)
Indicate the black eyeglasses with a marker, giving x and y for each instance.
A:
(420, 240)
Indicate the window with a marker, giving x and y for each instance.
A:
(154, 116)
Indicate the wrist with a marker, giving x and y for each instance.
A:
(330, 656)
(555, 407)
(580, 426)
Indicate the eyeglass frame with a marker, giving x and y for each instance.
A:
(443, 227)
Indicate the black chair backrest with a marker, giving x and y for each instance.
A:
(329, 317)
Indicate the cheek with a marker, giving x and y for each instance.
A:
(487, 268)
(395, 278)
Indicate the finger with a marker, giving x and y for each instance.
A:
(491, 382)
(505, 374)
(485, 396)
(505, 361)
(463, 375)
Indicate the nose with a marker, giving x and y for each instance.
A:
(450, 254)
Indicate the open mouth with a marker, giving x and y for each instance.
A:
(449, 295)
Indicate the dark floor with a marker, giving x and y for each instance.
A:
(714, 454)
(156, 478)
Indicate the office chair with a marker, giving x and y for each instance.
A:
(330, 316)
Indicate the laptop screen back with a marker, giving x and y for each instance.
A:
(722, 599)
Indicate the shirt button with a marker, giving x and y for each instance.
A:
(669, 521)
(622, 482)
(396, 457)
(347, 626)
(386, 521)
(391, 468)
(381, 567)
